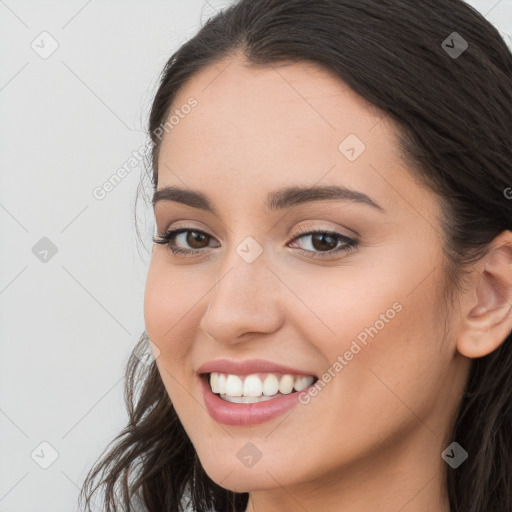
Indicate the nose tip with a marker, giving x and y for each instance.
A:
(243, 301)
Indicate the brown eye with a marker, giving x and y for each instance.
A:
(324, 243)
(192, 240)
(195, 239)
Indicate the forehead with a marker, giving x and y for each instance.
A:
(258, 128)
(306, 98)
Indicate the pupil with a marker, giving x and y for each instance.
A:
(194, 237)
(323, 245)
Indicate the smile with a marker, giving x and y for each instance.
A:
(257, 387)
(251, 391)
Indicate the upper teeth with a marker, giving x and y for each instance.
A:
(255, 385)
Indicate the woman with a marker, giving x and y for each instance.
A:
(330, 290)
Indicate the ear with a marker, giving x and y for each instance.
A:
(486, 319)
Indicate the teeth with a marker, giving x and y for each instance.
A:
(214, 382)
(221, 384)
(286, 384)
(234, 385)
(251, 388)
(270, 385)
(302, 382)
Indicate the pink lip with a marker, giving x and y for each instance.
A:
(247, 367)
(229, 413)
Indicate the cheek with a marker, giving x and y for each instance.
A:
(391, 370)
(398, 373)
(168, 309)
(382, 337)
(386, 306)
(170, 297)
(168, 304)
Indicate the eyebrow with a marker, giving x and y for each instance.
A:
(277, 200)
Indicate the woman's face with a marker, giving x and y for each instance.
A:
(365, 320)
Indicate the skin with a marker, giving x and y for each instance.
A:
(372, 438)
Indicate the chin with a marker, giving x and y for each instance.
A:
(242, 480)
(226, 470)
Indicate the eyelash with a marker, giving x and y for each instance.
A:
(349, 243)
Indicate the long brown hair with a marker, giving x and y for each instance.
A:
(454, 114)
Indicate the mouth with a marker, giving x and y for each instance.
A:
(251, 391)
(256, 387)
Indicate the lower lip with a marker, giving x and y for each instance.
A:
(229, 413)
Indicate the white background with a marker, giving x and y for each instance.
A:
(68, 122)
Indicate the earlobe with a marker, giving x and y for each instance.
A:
(487, 316)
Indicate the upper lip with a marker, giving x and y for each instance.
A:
(248, 366)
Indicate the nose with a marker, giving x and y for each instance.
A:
(245, 299)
